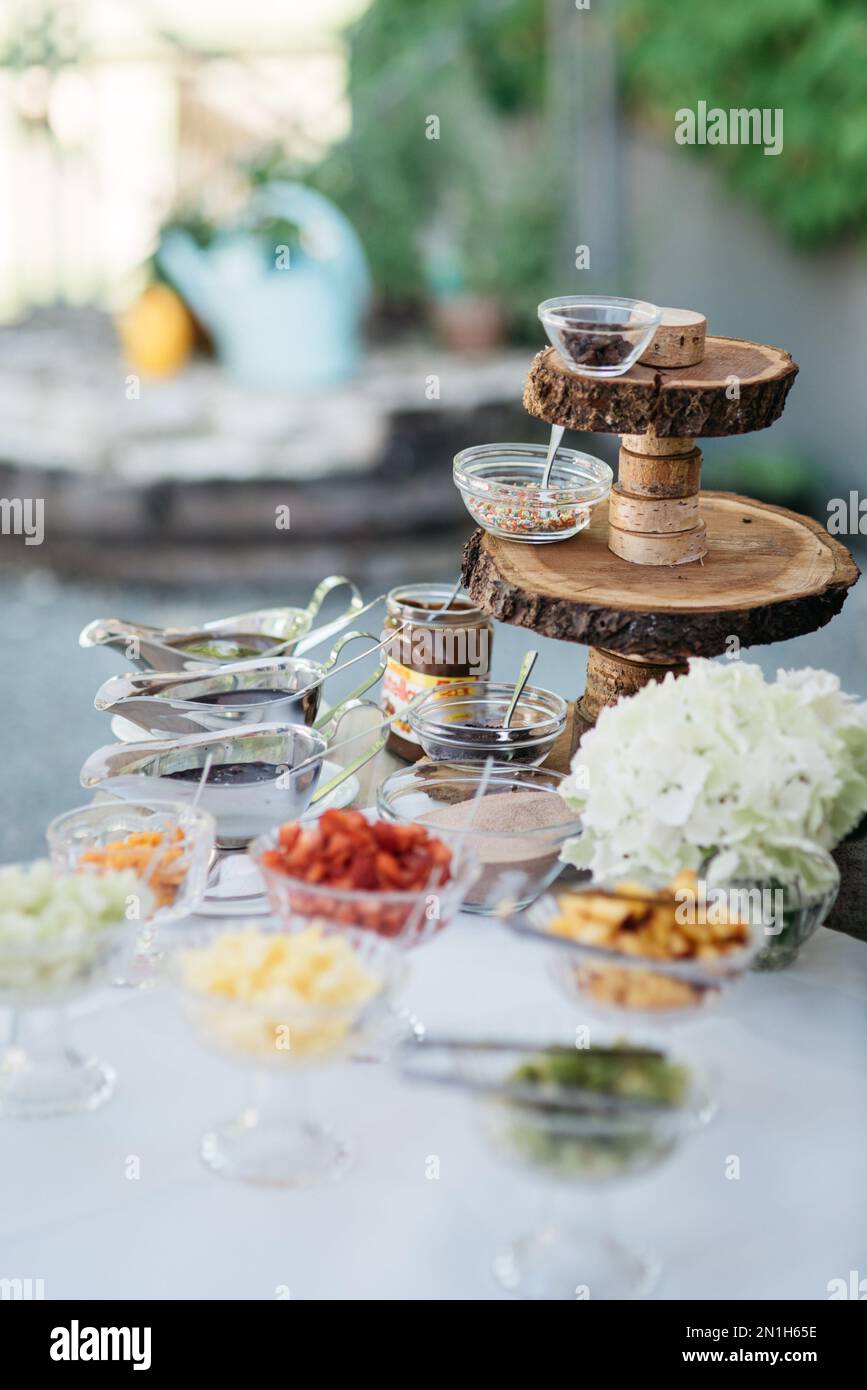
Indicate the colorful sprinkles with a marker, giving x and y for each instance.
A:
(524, 515)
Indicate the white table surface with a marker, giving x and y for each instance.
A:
(792, 1050)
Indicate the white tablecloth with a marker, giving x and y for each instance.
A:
(791, 1049)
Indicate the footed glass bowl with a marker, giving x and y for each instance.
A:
(567, 1135)
(627, 986)
(46, 963)
(175, 869)
(409, 918)
(280, 1039)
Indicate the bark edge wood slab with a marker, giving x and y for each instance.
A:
(769, 575)
(682, 401)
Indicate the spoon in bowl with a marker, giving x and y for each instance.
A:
(557, 432)
(523, 676)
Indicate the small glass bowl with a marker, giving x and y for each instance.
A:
(614, 984)
(444, 723)
(49, 974)
(786, 912)
(501, 488)
(599, 335)
(180, 887)
(423, 794)
(408, 918)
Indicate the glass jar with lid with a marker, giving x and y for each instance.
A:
(439, 647)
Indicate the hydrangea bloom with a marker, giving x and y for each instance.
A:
(720, 760)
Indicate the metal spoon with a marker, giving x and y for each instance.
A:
(523, 676)
(557, 432)
(452, 596)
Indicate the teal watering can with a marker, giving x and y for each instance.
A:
(279, 317)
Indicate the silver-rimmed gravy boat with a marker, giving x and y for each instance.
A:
(257, 778)
(280, 690)
(263, 632)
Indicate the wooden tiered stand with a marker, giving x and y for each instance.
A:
(665, 571)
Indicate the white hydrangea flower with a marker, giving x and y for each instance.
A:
(720, 760)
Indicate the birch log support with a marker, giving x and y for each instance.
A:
(646, 528)
(649, 476)
(609, 676)
(679, 340)
(654, 514)
(659, 548)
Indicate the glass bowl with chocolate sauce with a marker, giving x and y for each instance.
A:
(599, 335)
(467, 726)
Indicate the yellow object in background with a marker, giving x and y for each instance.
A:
(157, 332)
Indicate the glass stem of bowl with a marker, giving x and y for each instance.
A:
(39, 1036)
(278, 1099)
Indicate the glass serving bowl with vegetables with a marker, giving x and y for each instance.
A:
(167, 844)
(787, 909)
(657, 953)
(399, 881)
(280, 1003)
(61, 936)
(572, 1116)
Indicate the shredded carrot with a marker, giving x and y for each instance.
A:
(164, 873)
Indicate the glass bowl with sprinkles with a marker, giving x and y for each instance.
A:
(501, 488)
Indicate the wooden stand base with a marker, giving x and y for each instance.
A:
(610, 675)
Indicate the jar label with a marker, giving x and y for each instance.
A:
(400, 684)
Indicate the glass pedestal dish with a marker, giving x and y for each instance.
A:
(280, 1040)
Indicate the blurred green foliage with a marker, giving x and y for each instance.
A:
(772, 475)
(475, 209)
(808, 57)
(478, 208)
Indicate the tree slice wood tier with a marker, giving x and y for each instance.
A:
(769, 575)
(685, 401)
